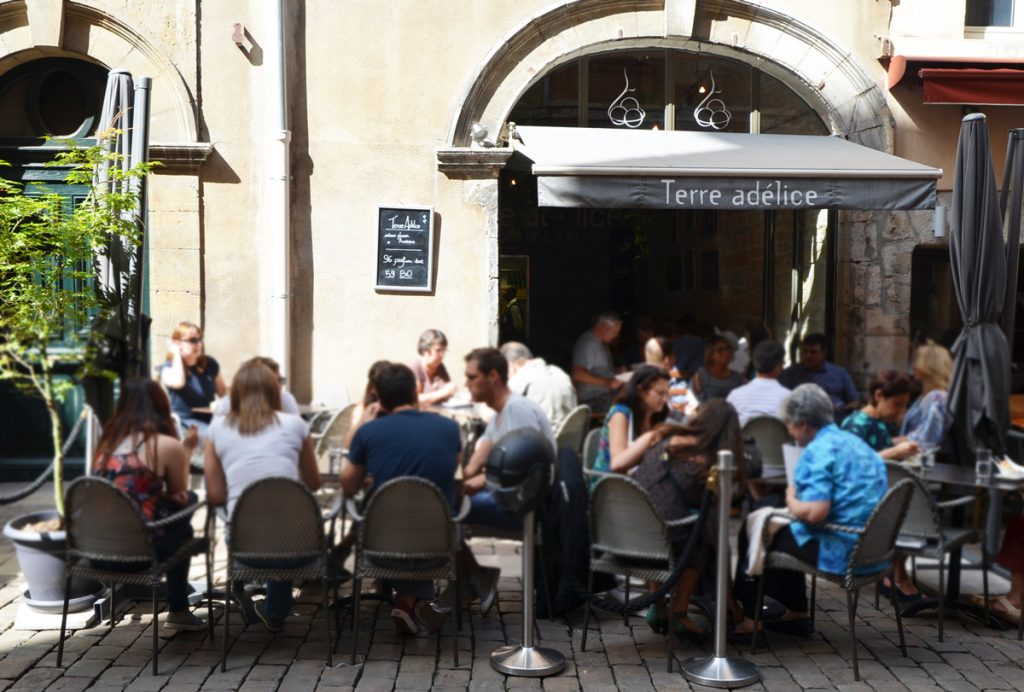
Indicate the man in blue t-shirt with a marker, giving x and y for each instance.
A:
(814, 368)
(397, 439)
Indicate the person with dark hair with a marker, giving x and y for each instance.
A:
(288, 402)
(593, 370)
(433, 383)
(368, 407)
(814, 368)
(140, 453)
(192, 378)
(546, 385)
(674, 471)
(889, 394)
(715, 379)
(688, 348)
(256, 440)
(397, 439)
(628, 429)
(763, 394)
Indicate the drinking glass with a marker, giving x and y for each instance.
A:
(983, 464)
(335, 449)
(928, 454)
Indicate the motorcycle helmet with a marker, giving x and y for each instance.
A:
(519, 470)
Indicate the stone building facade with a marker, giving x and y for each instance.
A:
(382, 99)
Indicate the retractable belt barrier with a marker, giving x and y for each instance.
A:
(22, 493)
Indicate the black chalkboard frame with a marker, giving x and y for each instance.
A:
(428, 287)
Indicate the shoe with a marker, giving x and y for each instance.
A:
(801, 627)
(485, 584)
(404, 617)
(184, 621)
(686, 630)
(656, 621)
(271, 623)
(430, 620)
(901, 596)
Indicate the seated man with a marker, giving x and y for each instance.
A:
(593, 371)
(546, 385)
(762, 395)
(397, 440)
(813, 368)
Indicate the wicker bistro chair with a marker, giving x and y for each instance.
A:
(770, 434)
(407, 532)
(337, 425)
(104, 525)
(629, 538)
(278, 519)
(573, 429)
(875, 545)
(591, 446)
(924, 522)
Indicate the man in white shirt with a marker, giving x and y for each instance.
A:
(762, 395)
(546, 385)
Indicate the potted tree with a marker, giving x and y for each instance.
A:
(47, 253)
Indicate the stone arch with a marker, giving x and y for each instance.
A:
(78, 31)
(827, 76)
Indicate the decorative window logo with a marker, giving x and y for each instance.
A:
(626, 110)
(711, 112)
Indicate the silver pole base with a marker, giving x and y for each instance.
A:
(728, 672)
(531, 662)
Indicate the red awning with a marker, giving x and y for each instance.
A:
(973, 86)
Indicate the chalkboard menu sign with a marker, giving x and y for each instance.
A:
(405, 242)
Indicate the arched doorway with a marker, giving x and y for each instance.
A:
(729, 269)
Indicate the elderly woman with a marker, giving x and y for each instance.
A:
(839, 479)
(433, 383)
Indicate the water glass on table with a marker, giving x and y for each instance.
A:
(928, 450)
(983, 463)
(335, 449)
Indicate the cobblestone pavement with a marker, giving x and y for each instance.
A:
(624, 656)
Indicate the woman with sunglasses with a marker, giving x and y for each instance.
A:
(192, 378)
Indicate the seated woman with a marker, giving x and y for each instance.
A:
(192, 378)
(928, 418)
(888, 396)
(658, 352)
(674, 472)
(839, 479)
(714, 379)
(433, 383)
(139, 452)
(628, 429)
(255, 440)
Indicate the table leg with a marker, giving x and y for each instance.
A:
(993, 522)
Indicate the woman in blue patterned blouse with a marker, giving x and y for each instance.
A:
(928, 419)
(888, 395)
(839, 479)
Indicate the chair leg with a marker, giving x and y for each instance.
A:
(758, 605)
(851, 610)
(878, 590)
(156, 626)
(64, 619)
(586, 614)
(942, 595)
(209, 591)
(456, 625)
(984, 580)
(625, 615)
(814, 597)
(671, 627)
(113, 604)
(327, 618)
(899, 617)
(227, 619)
(356, 583)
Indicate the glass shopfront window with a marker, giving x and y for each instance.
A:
(712, 93)
(554, 100)
(626, 90)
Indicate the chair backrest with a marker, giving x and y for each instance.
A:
(923, 516)
(623, 520)
(337, 426)
(276, 518)
(877, 543)
(770, 434)
(591, 445)
(573, 428)
(103, 523)
(408, 518)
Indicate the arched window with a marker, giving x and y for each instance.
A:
(59, 97)
(665, 89)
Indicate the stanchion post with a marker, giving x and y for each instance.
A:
(720, 670)
(527, 660)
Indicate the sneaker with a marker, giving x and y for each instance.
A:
(404, 617)
(184, 621)
(429, 618)
(271, 623)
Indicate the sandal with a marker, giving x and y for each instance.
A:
(901, 595)
(1000, 606)
(686, 629)
(656, 620)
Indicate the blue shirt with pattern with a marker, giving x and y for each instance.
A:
(928, 418)
(874, 431)
(842, 469)
(603, 460)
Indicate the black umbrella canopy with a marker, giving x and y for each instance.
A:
(980, 389)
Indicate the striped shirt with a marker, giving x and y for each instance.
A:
(760, 397)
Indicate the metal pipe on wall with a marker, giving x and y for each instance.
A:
(279, 189)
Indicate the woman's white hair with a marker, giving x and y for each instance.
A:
(808, 404)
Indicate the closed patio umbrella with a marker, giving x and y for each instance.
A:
(980, 388)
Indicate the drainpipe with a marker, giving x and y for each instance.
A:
(278, 185)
